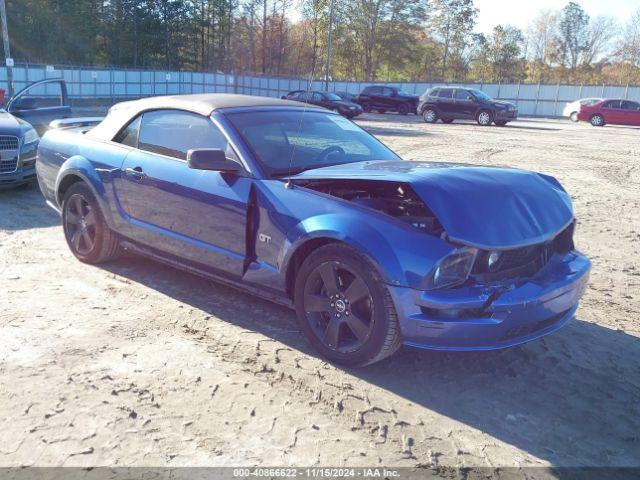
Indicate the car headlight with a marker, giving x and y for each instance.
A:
(454, 269)
(31, 136)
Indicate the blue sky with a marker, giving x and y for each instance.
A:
(521, 12)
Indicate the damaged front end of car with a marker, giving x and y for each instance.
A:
(512, 273)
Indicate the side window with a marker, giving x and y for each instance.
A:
(434, 92)
(174, 133)
(463, 95)
(446, 93)
(294, 95)
(129, 134)
(387, 92)
(375, 90)
(633, 106)
(612, 104)
(317, 97)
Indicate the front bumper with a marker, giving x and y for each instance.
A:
(497, 316)
(508, 115)
(19, 177)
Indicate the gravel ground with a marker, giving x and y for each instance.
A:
(139, 364)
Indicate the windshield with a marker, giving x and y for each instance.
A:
(480, 95)
(332, 96)
(288, 140)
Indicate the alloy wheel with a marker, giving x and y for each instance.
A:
(430, 116)
(80, 224)
(484, 118)
(338, 306)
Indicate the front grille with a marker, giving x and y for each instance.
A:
(8, 142)
(8, 165)
(522, 262)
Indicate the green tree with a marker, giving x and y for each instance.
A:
(573, 35)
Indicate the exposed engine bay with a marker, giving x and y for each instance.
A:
(396, 199)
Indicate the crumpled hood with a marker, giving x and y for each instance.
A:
(485, 207)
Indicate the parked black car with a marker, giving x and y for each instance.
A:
(452, 103)
(383, 98)
(349, 97)
(27, 115)
(327, 100)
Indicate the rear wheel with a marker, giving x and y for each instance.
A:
(574, 116)
(85, 229)
(484, 118)
(403, 109)
(500, 123)
(366, 107)
(429, 115)
(597, 120)
(344, 308)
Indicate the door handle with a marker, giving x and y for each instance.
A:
(135, 172)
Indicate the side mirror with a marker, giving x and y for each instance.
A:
(212, 159)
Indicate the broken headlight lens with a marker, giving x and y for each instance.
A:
(454, 269)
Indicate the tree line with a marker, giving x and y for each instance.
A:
(384, 40)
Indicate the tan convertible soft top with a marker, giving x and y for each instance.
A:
(204, 104)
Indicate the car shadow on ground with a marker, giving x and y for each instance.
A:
(395, 132)
(24, 208)
(566, 398)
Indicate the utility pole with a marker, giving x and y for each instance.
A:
(7, 50)
(327, 73)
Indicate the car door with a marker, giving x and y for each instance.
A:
(446, 103)
(464, 104)
(612, 112)
(41, 102)
(389, 98)
(197, 216)
(631, 112)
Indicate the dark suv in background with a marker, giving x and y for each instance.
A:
(457, 103)
(383, 98)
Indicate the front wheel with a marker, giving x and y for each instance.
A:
(429, 115)
(88, 235)
(366, 107)
(597, 120)
(484, 118)
(574, 116)
(344, 308)
(403, 109)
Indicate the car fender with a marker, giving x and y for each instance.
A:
(391, 252)
(79, 166)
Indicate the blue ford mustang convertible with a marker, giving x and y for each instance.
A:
(301, 206)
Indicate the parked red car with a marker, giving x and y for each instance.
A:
(616, 111)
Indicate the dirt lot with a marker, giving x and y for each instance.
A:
(139, 364)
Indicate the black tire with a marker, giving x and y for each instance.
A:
(500, 123)
(328, 318)
(597, 120)
(366, 107)
(447, 120)
(430, 115)
(381, 110)
(484, 118)
(574, 117)
(403, 109)
(88, 235)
